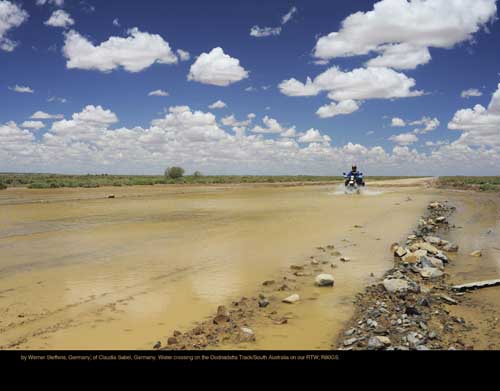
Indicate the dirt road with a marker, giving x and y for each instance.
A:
(81, 271)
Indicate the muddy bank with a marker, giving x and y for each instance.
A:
(416, 305)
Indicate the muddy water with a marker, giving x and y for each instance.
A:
(478, 228)
(80, 271)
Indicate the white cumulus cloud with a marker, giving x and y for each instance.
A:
(11, 16)
(33, 125)
(22, 89)
(136, 52)
(333, 109)
(60, 18)
(217, 105)
(471, 92)
(44, 115)
(402, 31)
(398, 122)
(217, 68)
(158, 93)
(480, 125)
(358, 84)
(313, 136)
(404, 138)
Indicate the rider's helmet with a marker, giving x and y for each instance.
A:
(354, 168)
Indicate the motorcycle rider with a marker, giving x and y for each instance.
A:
(358, 176)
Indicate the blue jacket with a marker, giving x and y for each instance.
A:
(356, 174)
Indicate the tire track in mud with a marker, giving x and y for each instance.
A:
(95, 314)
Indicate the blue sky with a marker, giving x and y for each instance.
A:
(108, 122)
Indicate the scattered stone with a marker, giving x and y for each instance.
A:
(222, 315)
(263, 303)
(157, 345)
(345, 259)
(378, 342)
(297, 267)
(395, 285)
(172, 341)
(400, 251)
(448, 300)
(450, 247)
(433, 240)
(431, 272)
(350, 341)
(324, 280)
(350, 332)
(246, 334)
(268, 282)
(111, 196)
(177, 333)
(291, 299)
(476, 253)
(431, 262)
(314, 262)
(302, 274)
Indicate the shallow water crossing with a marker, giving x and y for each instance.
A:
(81, 271)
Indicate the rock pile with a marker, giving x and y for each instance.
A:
(407, 309)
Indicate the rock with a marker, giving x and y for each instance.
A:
(433, 240)
(350, 341)
(172, 341)
(345, 259)
(297, 267)
(422, 347)
(177, 333)
(314, 262)
(284, 287)
(435, 205)
(440, 219)
(431, 272)
(428, 247)
(291, 299)
(111, 196)
(410, 257)
(440, 255)
(246, 334)
(451, 247)
(268, 282)
(476, 253)
(198, 330)
(222, 315)
(324, 280)
(412, 311)
(157, 345)
(414, 339)
(395, 285)
(448, 300)
(400, 251)
(412, 237)
(350, 332)
(372, 323)
(263, 303)
(431, 262)
(302, 274)
(424, 302)
(378, 342)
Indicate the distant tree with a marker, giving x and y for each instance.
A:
(2, 186)
(174, 172)
(197, 174)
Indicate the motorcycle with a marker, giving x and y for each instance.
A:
(353, 184)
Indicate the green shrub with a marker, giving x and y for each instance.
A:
(174, 172)
(3, 186)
